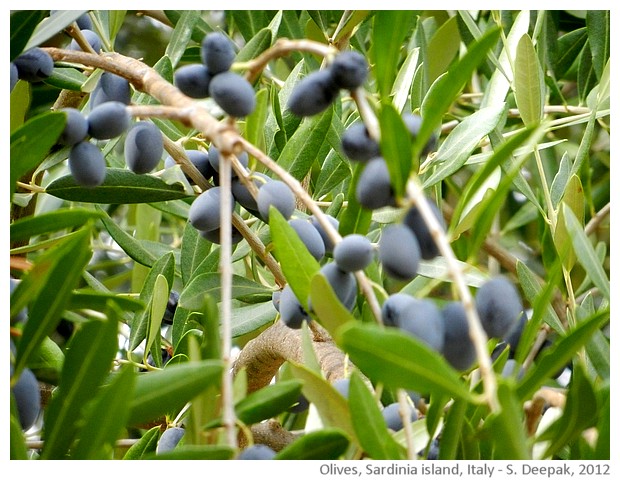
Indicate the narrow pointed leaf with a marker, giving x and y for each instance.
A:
(165, 391)
(529, 85)
(324, 444)
(398, 360)
(268, 401)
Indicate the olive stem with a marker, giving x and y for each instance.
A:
(405, 414)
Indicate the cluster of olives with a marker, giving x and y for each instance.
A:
(446, 330)
(213, 77)
(318, 90)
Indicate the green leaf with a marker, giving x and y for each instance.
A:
(398, 360)
(252, 317)
(98, 300)
(31, 143)
(192, 296)
(331, 405)
(195, 452)
(26, 227)
(53, 25)
(119, 186)
(577, 414)
(23, 24)
(506, 427)
(585, 252)
(560, 353)
(456, 149)
(324, 444)
(569, 46)
(130, 245)
(255, 122)
(158, 303)
(330, 312)
(301, 150)
(404, 79)
(598, 28)
(369, 424)
(389, 32)
(255, 46)
(442, 48)
(50, 283)
(87, 363)
(573, 198)
(181, 35)
(146, 444)
(529, 82)
(448, 86)
(298, 265)
(249, 22)
(165, 391)
(163, 267)
(17, 441)
(67, 79)
(334, 172)
(194, 250)
(355, 218)
(268, 402)
(200, 29)
(106, 418)
(396, 148)
(20, 103)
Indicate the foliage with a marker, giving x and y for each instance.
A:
(132, 314)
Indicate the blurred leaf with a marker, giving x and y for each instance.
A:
(585, 252)
(250, 22)
(250, 318)
(350, 24)
(577, 413)
(560, 181)
(332, 406)
(87, 362)
(561, 352)
(195, 452)
(165, 391)
(119, 186)
(47, 361)
(442, 48)
(586, 77)
(398, 360)
(201, 28)
(106, 418)
(462, 141)
(369, 424)
(301, 149)
(598, 29)
(388, 35)
(20, 103)
(50, 282)
(204, 284)
(334, 172)
(268, 402)
(396, 148)
(181, 35)
(529, 82)
(324, 444)
(255, 46)
(330, 312)
(569, 46)
(194, 250)
(298, 265)
(506, 427)
(446, 88)
(452, 434)
(31, 143)
(255, 122)
(26, 227)
(164, 266)
(23, 24)
(146, 444)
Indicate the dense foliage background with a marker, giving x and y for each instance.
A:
(128, 317)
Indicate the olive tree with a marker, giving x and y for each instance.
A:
(310, 234)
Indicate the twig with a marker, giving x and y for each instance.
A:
(476, 332)
(596, 220)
